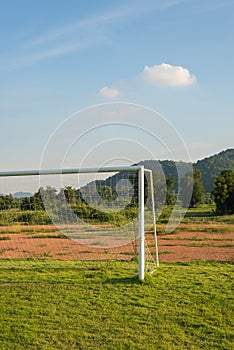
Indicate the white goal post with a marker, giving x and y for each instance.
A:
(140, 170)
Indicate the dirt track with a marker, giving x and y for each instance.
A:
(183, 246)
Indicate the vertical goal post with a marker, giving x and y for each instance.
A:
(137, 169)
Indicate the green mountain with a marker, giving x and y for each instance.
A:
(169, 168)
(212, 166)
(209, 167)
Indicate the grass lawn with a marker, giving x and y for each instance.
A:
(52, 304)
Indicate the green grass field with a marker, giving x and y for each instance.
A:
(52, 304)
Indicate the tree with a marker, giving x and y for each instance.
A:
(107, 193)
(44, 196)
(8, 202)
(192, 182)
(70, 194)
(171, 194)
(224, 192)
(27, 203)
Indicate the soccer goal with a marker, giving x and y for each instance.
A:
(101, 208)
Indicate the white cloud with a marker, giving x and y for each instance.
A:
(108, 92)
(167, 75)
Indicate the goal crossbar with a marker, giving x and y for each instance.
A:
(70, 171)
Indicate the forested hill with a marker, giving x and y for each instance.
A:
(212, 166)
(169, 168)
(209, 167)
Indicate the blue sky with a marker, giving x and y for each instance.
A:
(58, 57)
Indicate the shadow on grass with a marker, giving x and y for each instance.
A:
(123, 280)
(200, 214)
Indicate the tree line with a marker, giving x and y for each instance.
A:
(89, 200)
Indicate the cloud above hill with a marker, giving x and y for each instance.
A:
(161, 75)
(109, 92)
(167, 75)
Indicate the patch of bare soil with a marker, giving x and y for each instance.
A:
(178, 247)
